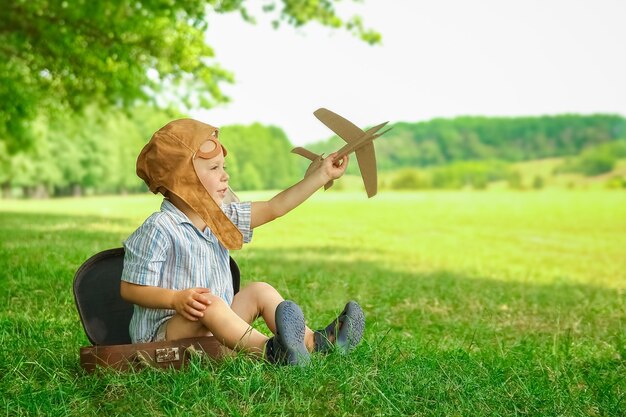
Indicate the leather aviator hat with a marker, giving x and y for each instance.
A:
(166, 163)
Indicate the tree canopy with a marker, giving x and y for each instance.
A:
(59, 56)
(95, 152)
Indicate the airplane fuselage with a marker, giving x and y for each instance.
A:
(367, 137)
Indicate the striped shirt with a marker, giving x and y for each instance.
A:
(168, 251)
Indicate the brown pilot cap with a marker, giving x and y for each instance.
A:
(166, 164)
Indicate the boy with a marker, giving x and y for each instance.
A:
(176, 266)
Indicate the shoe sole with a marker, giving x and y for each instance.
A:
(352, 327)
(290, 329)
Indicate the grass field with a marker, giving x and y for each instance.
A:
(477, 304)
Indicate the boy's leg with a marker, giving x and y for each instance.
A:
(286, 347)
(228, 327)
(260, 299)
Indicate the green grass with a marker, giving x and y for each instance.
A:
(477, 303)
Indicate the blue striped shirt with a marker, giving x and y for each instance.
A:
(168, 251)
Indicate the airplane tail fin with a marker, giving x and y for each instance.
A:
(382, 133)
(376, 128)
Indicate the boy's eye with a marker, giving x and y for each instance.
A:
(224, 167)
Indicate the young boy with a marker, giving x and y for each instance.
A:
(176, 266)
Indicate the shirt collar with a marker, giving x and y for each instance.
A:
(181, 218)
(178, 216)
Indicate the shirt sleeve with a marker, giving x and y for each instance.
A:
(240, 214)
(145, 253)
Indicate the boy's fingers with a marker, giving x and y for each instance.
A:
(198, 306)
(188, 316)
(193, 312)
(202, 299)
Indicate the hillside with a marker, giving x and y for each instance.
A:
(512, 139)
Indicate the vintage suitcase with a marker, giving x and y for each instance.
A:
(105, 317)
(174, 354)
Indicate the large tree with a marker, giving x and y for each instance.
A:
(60, 55)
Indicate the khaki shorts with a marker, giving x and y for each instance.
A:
(161, 332)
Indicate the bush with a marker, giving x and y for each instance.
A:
(595, 161)
(616, 183)
(476, 174)
(409, 179)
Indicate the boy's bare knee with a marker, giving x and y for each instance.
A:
(260, 287)
(216, 303)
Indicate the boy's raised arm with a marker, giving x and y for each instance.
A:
(285, 201)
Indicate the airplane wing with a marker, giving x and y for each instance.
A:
(366, 157)
(345, 129)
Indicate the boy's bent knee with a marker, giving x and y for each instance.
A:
(260, 286)
(216, 303)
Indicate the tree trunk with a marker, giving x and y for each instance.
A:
(77, 190)
(40, 192)
(6, 190)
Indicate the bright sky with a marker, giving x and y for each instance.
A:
(439, 58)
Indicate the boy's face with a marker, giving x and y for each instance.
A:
(212, 174)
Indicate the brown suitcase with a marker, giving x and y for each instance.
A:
(105, 317)
(174, 354)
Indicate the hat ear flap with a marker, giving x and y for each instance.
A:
(198, 199)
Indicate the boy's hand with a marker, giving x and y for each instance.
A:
(318, 174)
(336, 169)
(191, 303)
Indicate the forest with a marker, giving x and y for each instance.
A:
(442, 141)
(94, 152)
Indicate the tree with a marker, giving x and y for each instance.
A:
(261, 152)
(60, 55)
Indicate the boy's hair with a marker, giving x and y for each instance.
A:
(166, 165)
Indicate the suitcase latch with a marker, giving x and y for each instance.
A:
(169, 354)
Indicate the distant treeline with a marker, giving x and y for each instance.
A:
(95, 152)
(512, 139)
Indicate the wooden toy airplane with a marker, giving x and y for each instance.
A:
(358, 141)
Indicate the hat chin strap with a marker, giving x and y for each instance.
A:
(230, 197)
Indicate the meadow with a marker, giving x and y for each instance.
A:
(496, 303)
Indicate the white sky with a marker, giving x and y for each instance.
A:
(439, 58)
